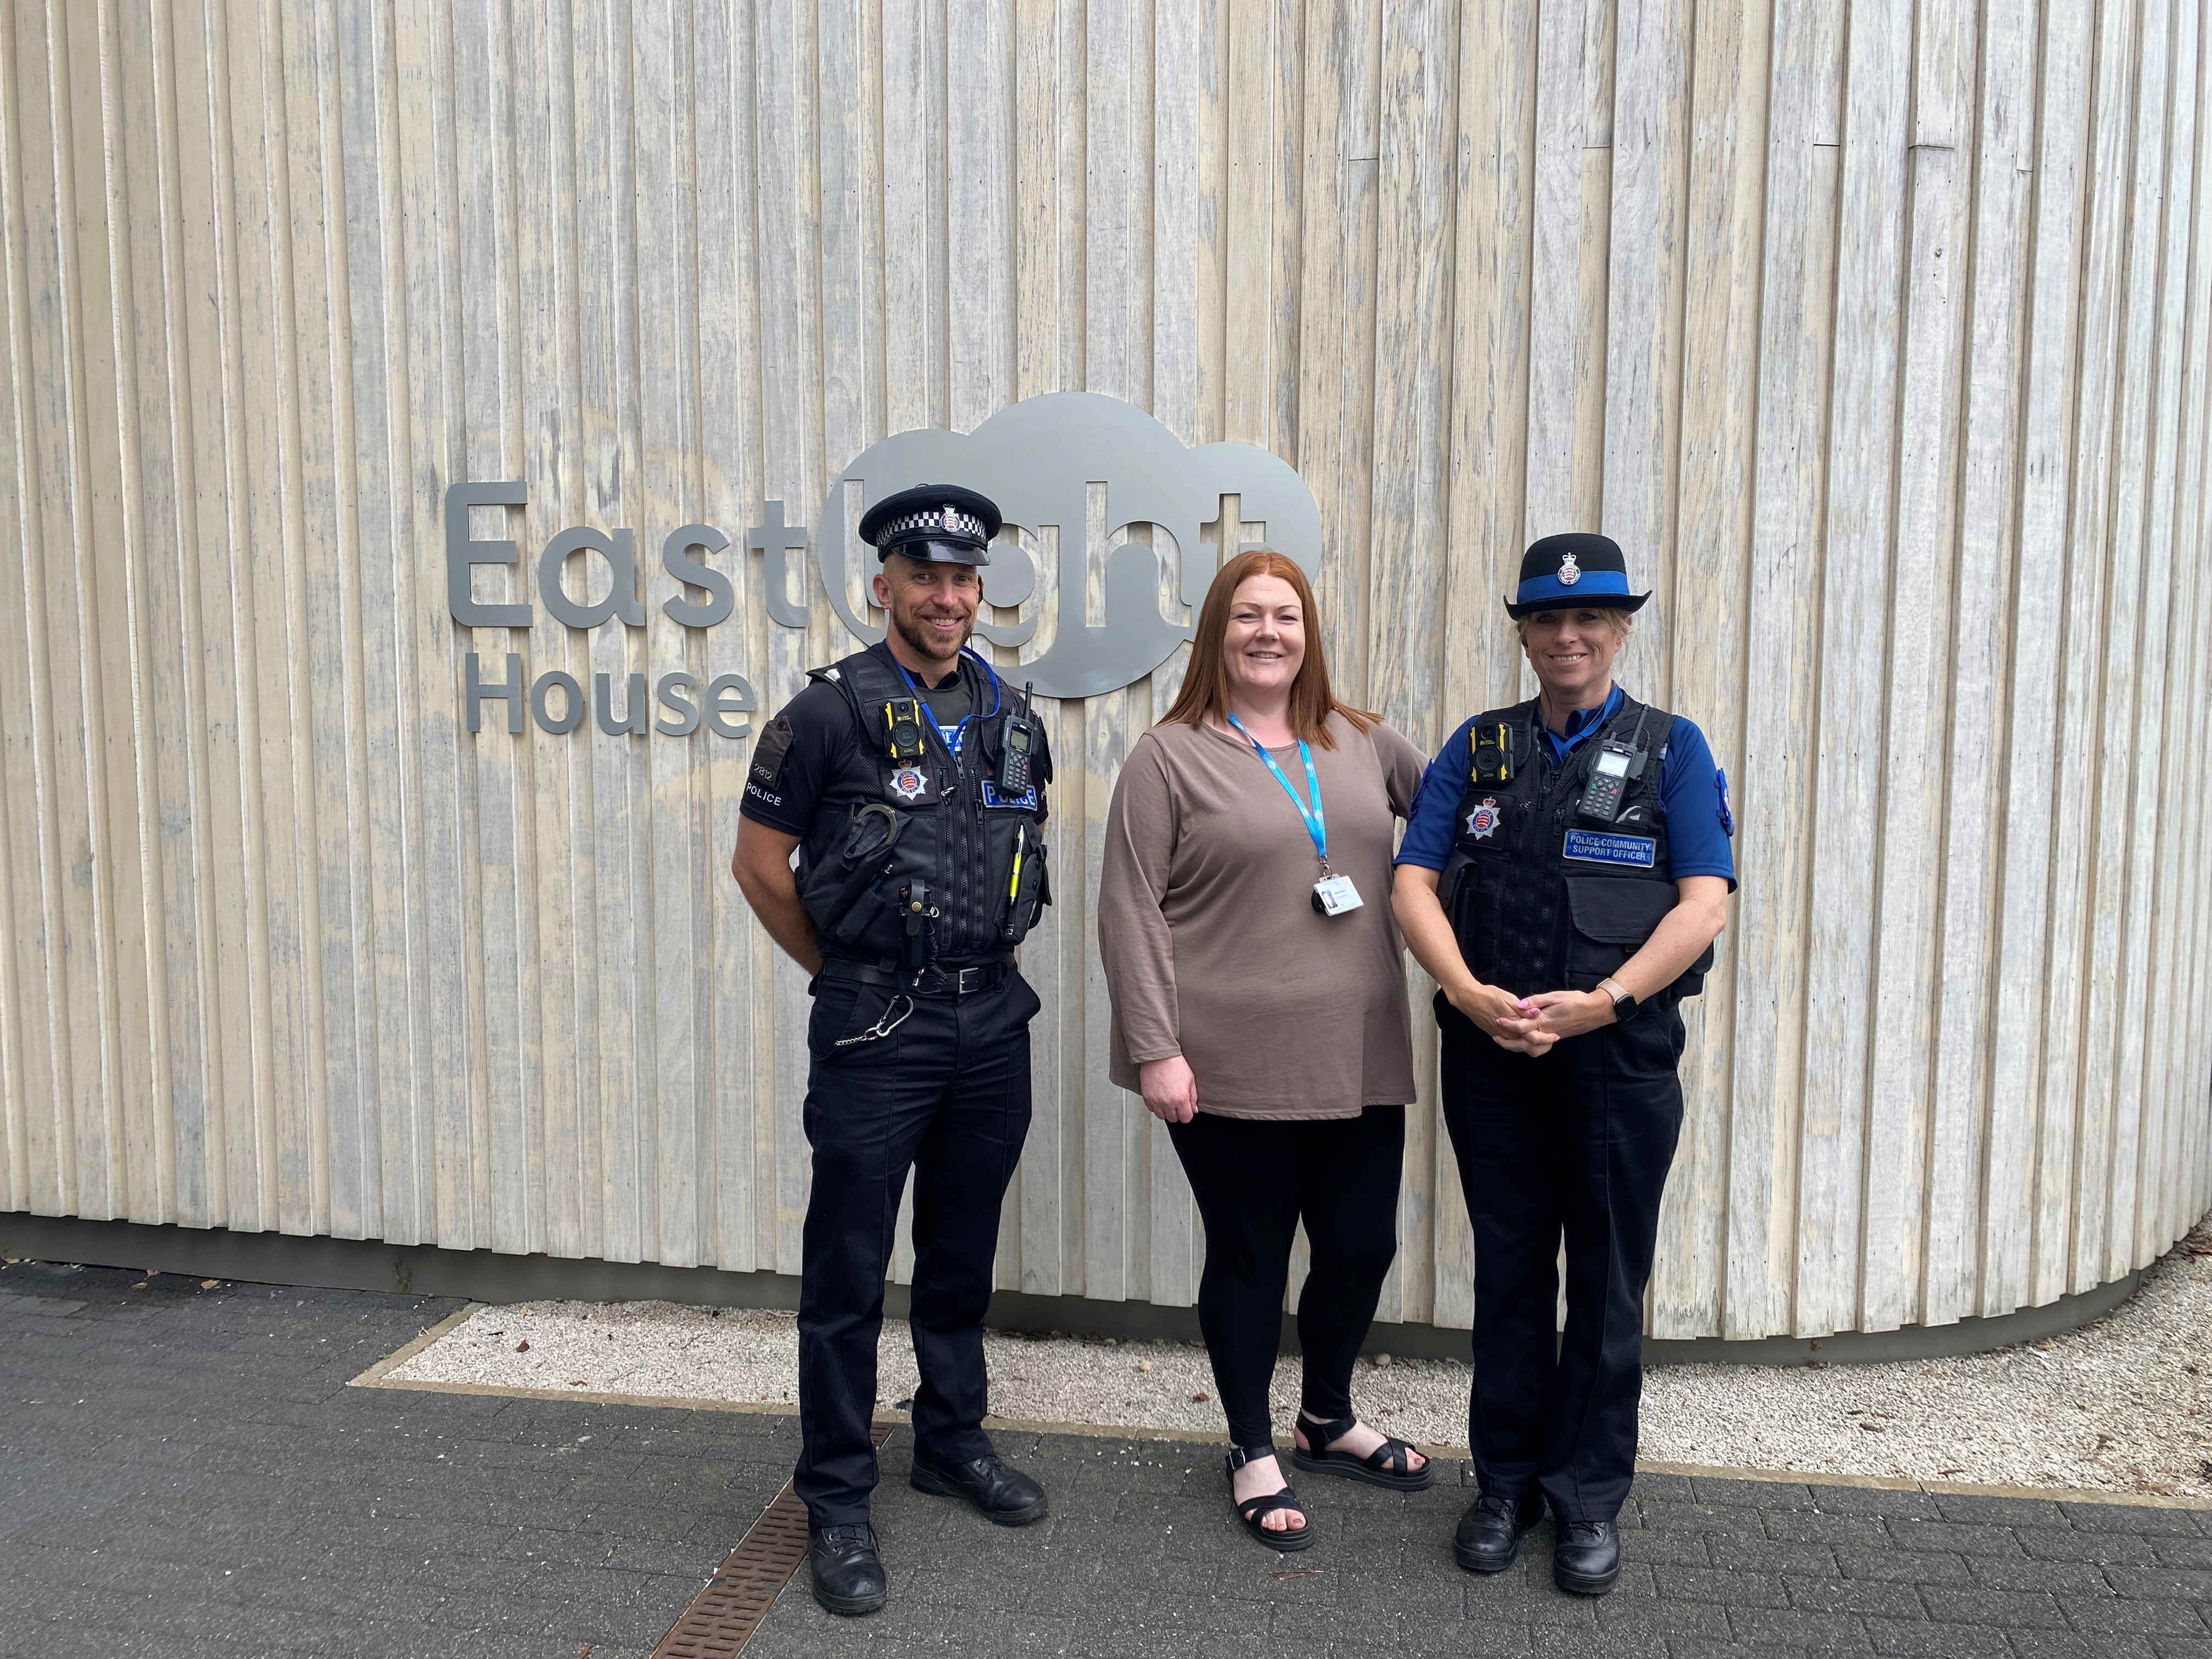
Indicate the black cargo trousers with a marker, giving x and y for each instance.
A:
(945, 1090)
(1574, 1145)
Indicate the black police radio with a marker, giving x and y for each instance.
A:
(1019, 738)
(1615, 764)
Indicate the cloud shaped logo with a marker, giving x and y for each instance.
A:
(1037, 459)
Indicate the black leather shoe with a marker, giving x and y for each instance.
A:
(848, 1574)
(1004, 1495)
(1587, 1557)
(1489, 1534)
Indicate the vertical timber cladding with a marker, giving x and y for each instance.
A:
(1879, 340)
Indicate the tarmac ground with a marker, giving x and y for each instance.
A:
(184, 1471)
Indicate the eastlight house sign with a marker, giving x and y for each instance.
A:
(1037, 459)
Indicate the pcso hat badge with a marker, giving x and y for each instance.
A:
(909, 782)
(1482, 822)
(1574, 568)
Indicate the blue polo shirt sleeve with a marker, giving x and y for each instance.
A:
(1434, 824)
(1700, 819)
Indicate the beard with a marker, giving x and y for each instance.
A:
(909, 627)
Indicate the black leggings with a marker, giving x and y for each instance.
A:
(1254, 1180)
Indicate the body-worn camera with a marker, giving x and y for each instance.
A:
(902, 727)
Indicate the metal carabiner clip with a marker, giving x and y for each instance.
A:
(883, 1028)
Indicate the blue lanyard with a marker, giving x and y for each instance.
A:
(1316, 825)
(953, 737)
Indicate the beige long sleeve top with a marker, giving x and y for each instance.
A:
(1211, 946)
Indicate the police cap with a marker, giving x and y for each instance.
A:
(1577, 568)
(942, 523)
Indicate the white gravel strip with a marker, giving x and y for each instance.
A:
(2123, 1404)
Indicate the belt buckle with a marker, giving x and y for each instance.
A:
(965, 984)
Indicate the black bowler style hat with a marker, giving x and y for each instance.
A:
(1577, 568)
(943, 523)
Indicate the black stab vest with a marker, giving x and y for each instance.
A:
(1541, 898)
(936, 825)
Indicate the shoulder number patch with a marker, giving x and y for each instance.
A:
(769, 751)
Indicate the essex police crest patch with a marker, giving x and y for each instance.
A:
(1482, 822)
(1569, 572)
(909, 782)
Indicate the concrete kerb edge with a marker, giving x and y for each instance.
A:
(374, 1376)
(379, 1376)
(2133, 1500)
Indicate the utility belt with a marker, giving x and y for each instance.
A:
(938, 980)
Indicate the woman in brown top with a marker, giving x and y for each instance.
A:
(1259, 1007)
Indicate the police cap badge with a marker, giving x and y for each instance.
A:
(943, 523)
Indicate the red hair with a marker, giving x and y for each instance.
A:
(1205, 685)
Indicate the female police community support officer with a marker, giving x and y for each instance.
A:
(911, 783)
(1563, 877)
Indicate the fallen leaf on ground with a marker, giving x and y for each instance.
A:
(209, 1284)
(523, 1346)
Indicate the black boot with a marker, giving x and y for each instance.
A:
(1003, 1494)
(1489, 1534)
(1587, 1557)
(848, 1574)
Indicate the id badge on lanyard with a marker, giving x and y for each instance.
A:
(1332, 895)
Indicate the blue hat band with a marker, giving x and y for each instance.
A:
(1594, 584)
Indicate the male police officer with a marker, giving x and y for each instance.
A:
(911, 783)
(1563, 877)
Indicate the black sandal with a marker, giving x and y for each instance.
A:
(1252, 1509)
(1390, 1464)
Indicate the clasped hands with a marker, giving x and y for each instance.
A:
(1530, 1025)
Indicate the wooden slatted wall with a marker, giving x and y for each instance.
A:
(1877, 333)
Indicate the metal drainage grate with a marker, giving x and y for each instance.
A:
(724, 1615)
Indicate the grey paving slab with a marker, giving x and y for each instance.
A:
(1917, 1640)
(2071, 1644)
(184, 1472)
(198, 1479)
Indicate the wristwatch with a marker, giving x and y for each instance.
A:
(1624, 1001)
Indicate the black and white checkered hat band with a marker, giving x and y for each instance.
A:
(946, 520)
